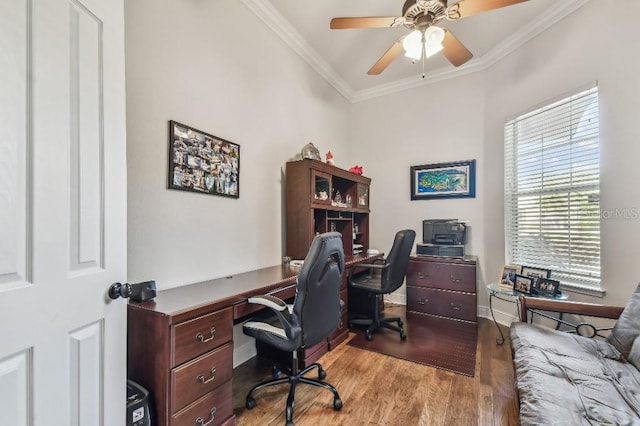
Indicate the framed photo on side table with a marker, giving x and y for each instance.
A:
(535, 273)
(508, 277)
(547, 287)
(523, 284)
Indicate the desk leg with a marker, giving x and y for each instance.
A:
(501, 339)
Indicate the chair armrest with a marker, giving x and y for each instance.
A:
(566, 307)
(272, 302)
(371, 266)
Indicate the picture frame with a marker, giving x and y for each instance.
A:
(203, 163)
(455, 179)
(535, 273)
(547, 288)
(523, 284)
(508, 276)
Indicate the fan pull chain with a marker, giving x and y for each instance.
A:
(423, 65)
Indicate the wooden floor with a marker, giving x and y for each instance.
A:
(381, 390)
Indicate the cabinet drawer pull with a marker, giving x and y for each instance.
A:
(423, 301)
(423, 275)
(456, 307)
(341, 325)
(201, 338)
(455, 280)
(202, 380)
(200, 421)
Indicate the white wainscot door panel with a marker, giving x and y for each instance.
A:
(62, 213)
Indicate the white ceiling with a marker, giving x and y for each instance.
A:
(343, 57)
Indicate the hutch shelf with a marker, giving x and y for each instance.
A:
(323, 198)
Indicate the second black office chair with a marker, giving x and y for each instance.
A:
(390, 276)
(314, 315)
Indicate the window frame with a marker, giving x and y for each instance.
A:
(548, 129)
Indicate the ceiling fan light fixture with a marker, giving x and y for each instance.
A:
(412, 45)
(433, 38)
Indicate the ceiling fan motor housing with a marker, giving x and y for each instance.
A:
(420, 14)
(412, 8)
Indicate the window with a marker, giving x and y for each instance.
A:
(552, 189)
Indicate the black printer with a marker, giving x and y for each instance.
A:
(442, 237)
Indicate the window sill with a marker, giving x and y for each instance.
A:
(581, 289)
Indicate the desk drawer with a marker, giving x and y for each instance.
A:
(200, 335)
(245, 308)
(341, 333)
(215, 407)
(451, 304)
(194, 379)
(442, 275)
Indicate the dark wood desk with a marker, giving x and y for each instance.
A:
(180, 345)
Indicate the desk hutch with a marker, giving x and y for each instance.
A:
(314, 207)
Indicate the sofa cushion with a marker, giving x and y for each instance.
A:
(627, 327)
(634, 355)
(566, 379)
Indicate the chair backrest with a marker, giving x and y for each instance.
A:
(398, 259)
(317, 304)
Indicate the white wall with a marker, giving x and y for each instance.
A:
(437, 123)
(581, 49)
(215, 66)
(463, 118)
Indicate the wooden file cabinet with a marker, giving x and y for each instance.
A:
(187, 363)
(443, 287)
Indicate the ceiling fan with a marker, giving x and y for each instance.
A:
(423, 17)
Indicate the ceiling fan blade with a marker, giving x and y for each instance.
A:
(472, 7)
(384, 61)
(455, 51)
(363, 22)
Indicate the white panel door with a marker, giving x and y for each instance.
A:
(62, 212)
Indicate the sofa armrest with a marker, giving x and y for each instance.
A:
(566, 307)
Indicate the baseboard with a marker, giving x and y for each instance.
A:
(397, 299)
(501, 317)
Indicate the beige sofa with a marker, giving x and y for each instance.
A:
(565, 378)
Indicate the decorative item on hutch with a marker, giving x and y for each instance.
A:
(330, 159)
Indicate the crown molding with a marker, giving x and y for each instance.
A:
(553, 15)
(264, 10)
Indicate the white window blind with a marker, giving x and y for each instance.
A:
(552, 189)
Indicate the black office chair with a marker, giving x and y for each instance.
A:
(313, 316)
(392, 271)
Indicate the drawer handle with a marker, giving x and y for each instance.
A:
(422, 275)
(455, 280)
(201, 338)
(456, 307)
(423, 301)
(341, 325)
(202, 380)
(200, 421)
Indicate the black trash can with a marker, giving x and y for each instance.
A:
(138, 412)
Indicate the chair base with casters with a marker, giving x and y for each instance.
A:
(378, 322)
(293, 377)
(314, 314)
(385, 276)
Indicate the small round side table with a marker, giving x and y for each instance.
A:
(512, 296)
